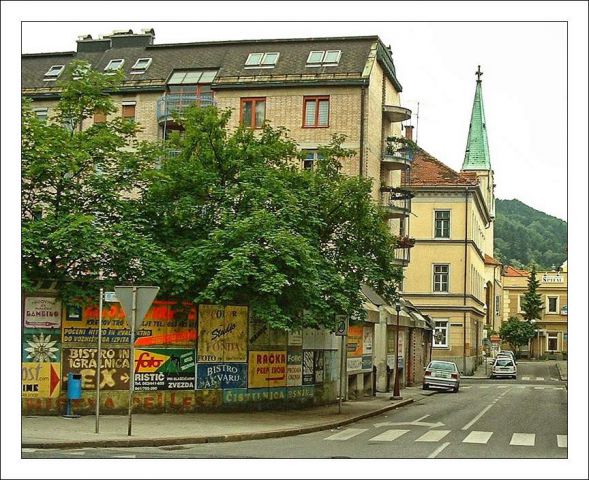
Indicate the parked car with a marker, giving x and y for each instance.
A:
(442, 375)
(504, 366)
(508, 352)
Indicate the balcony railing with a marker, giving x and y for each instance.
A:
(397, 156)
(396, 201)
(168, 105)
(402, 256)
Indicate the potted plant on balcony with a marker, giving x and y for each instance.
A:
(405, 242)
(400, 146)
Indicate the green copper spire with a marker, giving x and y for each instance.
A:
(477, 155)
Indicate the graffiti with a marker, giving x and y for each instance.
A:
(301, 392)
(164, 369)
(367, 341)
(41, 346)
(42, 312)
(221, 376)
(267, 369)
(40, 380)
(114, 367)
(294, 368)
(222, 333)
(246, 396)
(354, 341)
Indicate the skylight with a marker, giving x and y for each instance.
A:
(54, 72)
(115, 64)
(192, 77)
(141, 65)
(262, 60)
(319, 58)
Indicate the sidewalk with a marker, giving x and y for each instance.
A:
(176, 429)
(480, 371)
(562, 367)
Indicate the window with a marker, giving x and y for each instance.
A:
(309, 160)
(552, 305)
(192, 77)
(99, 117)
(42, 114)
(552, 341)
(114, 64)
(441, 278)
(262, 60)
(441, 333)
(54, 72)
(323, 58)
(128, 111)
(253, 112)
(442, 224)
(141, 65)
(316, 112)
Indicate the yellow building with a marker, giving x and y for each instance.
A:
(551, 339)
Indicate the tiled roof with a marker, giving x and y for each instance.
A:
(509, 271)
(428, 171)
(491, 261)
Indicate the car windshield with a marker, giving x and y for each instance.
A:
(504, 362)
(448, 367)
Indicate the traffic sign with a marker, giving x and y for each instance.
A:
(145, 297)
(341, 329)
(110, 297)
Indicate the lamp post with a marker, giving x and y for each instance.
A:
(396, 392)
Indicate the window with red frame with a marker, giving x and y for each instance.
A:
(253, 112)
(316, 112)
(128, 111)
(99, 117)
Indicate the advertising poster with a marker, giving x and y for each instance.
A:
(294, 369)
(214, 376)
(267, 369)
(40, 380)
(114, 367)
(166, 323)
(308, 366)
(367, 340)
(42, 312)
(164, 369)
(354, 364)
(354, 340)
(222, 333)
(319, 366)
(366, 362)
(42, 346)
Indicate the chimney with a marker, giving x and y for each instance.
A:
(409, 132)
(126, 38)
(87, 44)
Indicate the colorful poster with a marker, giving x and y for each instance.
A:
(213, 376)
(164, 369)
(222, 333)
(294, 368)
(308, 367)
(267, 369)
(354, 364)
(114, 367)
(40, 380)
(41, 346)
(42, 312)
(367, 340)
(354, 339)
(166, 323)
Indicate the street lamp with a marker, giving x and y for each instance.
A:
(396, 392)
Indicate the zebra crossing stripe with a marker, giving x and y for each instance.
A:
(539, 378)
(484, 386)
(562, 441)
(540, 388)
(477, 437)
(347, 434)
(523, 439)
(502, 386)
(525, 378)
(388, 436)
(466, 388)
(433, 436)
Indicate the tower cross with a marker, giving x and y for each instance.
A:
(478, 73)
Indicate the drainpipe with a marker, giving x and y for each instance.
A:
(362, 123)
(466, 191)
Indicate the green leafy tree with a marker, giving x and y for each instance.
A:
(532, 302)
(79, 184)
(240, 222)
(516, 332)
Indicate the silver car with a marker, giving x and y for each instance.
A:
(441, 375)
(504, 366)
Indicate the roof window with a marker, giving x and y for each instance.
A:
(54, 72)
(322, 58)
(262, 60)
(114, 64)
(192, 77)
(141, 65)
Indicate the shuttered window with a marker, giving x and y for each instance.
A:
(316, 112)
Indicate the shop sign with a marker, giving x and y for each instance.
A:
(114, 367)
(212, 376)
(42, 312)
(164, 369)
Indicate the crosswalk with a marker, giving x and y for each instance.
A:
(537, 379)
(521, 439)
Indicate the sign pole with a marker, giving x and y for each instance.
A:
(132, 359)
(341, 374)
(99, 362)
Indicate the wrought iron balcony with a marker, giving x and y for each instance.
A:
(395, 113)
(396, 202)
(396, 156)
(168, 105)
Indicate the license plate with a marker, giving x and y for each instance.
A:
(441, 375)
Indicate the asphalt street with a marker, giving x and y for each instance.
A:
(501, 418)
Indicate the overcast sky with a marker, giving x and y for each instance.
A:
(524, 86)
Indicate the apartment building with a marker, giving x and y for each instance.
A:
(315, 87)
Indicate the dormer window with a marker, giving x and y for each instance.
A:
(323, 58)
(192, 77)
(54, 72)
(114, 65)
(262, 60)
(141, 65)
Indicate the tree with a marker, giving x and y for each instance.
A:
(240, 222)
(532, 303)
(78, 189)
(516, 332)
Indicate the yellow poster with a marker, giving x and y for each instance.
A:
(40, 380)
(222, 333)
(266, 369)
(355, 335)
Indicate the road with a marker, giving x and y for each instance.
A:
(523, 418)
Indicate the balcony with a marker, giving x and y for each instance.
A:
(402, 256)
(394, 113)
(397, 156)
(169, 105)
(396, 202)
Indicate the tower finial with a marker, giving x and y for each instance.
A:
(478, 73)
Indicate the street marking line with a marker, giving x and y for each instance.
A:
(466, 388)
(484, 386)
(477, 437)
(562, 441)
(346, 434)
(28, 450)
(525, 378)
(471, 423)
(421, 418)
(520, 386)
(540, 388)
(502, 386)
(388, 436)
(435, 453)
(539, 378)
(433, 436)
(523, 439)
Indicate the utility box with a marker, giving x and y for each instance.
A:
(74, 386)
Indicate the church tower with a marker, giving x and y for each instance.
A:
(478, 160)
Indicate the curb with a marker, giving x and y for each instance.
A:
(237, 437)
(562, 379)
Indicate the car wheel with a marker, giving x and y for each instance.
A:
(455, 389)
(425, 387)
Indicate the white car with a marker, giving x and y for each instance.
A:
(504, 366)
(440, 374)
